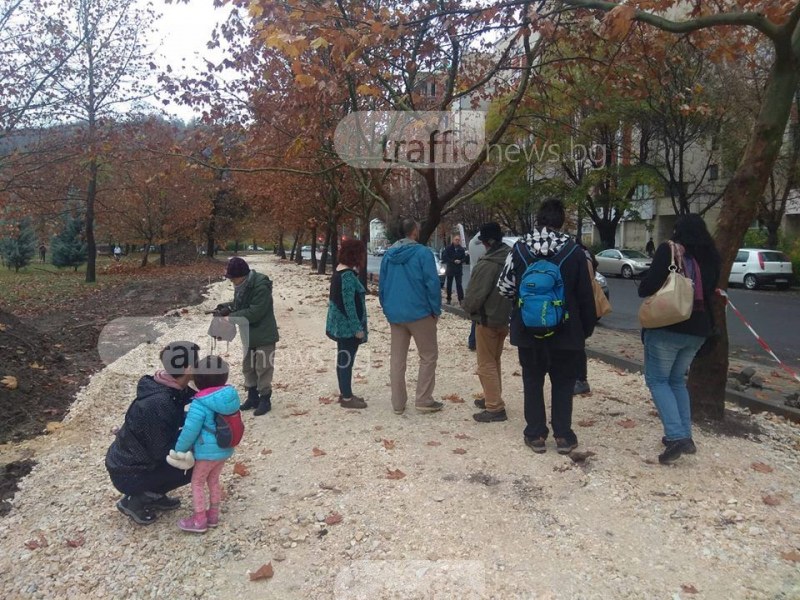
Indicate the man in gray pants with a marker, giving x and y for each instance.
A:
(252, 300)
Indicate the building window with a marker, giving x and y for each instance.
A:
(433, 88)
(713, 172)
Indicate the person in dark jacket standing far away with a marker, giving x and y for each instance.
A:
(668, 351)
(454, 257)
(252, 304)
(136, 460)
(556, 355)
(412, 302)
(347, 317)
(489, 311)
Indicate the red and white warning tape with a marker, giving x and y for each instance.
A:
(759, 339)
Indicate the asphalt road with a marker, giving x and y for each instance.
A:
(774, 315)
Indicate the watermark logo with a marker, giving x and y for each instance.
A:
(419, 139)
(370, 579)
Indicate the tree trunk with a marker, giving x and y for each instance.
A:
(146, 254)
(162, 260)
(281, 250)
(294, 246)
(91, 196)
(708, 376)
(334, 245)
(608, 233)
(314, 264)
(364, 235)
(298, 258)
(236, 246)
(772, 234)
(323, 261)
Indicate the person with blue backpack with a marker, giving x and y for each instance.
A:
(553, 313)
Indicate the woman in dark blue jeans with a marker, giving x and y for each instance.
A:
(669, 351)
(347, 317)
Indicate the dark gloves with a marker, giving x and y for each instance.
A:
(222, 310)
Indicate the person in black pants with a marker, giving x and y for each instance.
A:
(558, 354)
(137, 458)
(347, 317)
(454, 257)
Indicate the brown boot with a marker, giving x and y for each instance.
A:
(354, 402)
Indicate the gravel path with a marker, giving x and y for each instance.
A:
(477, 514)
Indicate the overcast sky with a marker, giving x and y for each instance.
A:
(183, 33)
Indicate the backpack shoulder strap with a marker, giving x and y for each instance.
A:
(519, 252)
(569, 245)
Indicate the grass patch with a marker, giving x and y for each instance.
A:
(43, 288)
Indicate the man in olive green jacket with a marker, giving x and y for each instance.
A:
(490, 312)
(252, 300)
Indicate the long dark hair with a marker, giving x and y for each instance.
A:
(691, 231)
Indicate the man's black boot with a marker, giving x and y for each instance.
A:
(252, 399)
(264, 404)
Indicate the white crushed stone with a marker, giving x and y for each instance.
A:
(508, 523)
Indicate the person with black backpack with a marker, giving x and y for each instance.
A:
(546, 276)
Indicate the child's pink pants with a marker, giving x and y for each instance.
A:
(206, 472)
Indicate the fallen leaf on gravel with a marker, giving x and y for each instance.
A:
(266, 451)
(240, 470)
(433, 443)
(2, 327)
(478, 396)
(322, 370)
(771, 500)
(627, 423)
(35, 365)
(264, 572)
(39, 542)
(516, 374)
(388, 444)
(688, 589)
(579, 457)
(299, 413)
(761, 467)
(280, 386)
(333, 518)
(326, 400)
(462, 436)
(454, 398)
(317, 452)
(459, 451)
(396, 474)
(9, 381)
(378, 427)
(445, 432)
(586, 422)
(76, 542)
(793, 556)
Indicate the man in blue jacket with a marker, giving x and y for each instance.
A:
(411, 299)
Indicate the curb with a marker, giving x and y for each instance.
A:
(752, 403)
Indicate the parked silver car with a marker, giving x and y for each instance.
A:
(624, 261)
(754, 267)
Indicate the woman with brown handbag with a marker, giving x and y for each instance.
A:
(669, 350)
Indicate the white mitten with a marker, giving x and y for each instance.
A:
(181, 460)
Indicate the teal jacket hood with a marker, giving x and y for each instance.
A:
(409, 286)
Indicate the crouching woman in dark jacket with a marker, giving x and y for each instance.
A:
(136, 460)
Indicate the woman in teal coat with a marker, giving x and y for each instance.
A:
(347, 317)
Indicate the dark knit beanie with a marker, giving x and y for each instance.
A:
(237, 267)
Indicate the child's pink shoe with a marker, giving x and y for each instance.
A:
(212, 517)
(194, 524)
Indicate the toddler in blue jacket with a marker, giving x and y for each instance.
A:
(199, 435)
